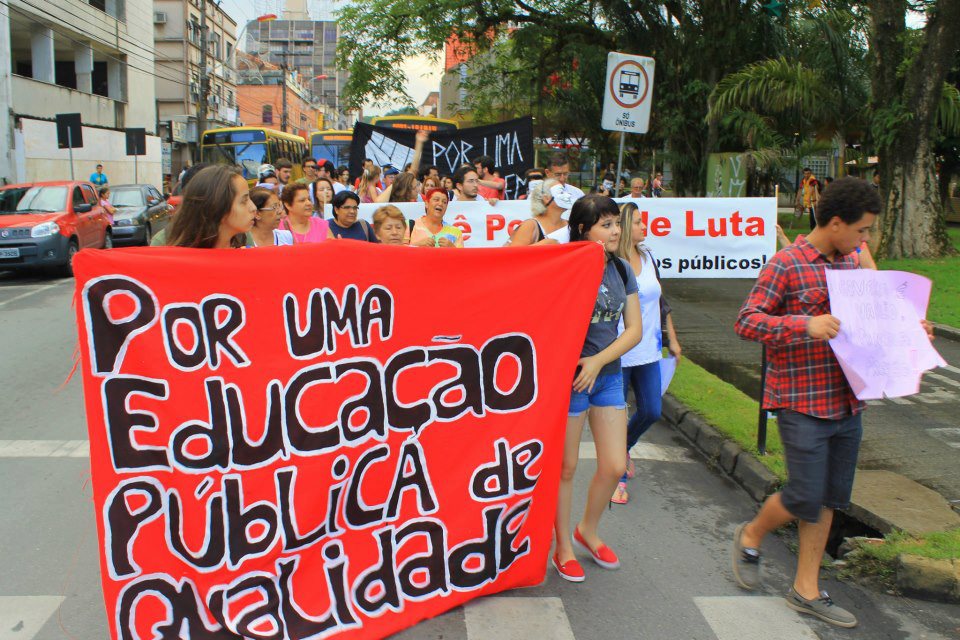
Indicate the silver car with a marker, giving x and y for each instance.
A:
(141, 212)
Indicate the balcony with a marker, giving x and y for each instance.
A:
(43, 100)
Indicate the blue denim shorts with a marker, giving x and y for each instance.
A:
(821, 460)
(607, 392)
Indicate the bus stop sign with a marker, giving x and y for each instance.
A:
(627, 93)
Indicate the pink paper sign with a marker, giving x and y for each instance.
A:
(882, 347)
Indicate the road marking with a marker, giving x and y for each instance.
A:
(44, 449)
(753, 618)
(505, 618)
(30, 293)
(642, 451)
(943, 379)
(952, 368)
(948, 435)
(21, 617)
(899, 401)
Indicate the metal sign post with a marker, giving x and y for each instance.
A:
(70, 147)
(628, 93)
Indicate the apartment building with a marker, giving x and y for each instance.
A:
(92, 57)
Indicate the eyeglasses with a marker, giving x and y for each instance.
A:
(349, 207)
(561, 174)
(276, 207)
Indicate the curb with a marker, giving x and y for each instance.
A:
(915, 576)
(726, 454)
(946, 331)
(929, 579)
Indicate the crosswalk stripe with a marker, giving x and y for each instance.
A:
(520, 618)
(752, 618)
(952, 368)
(21, 617)
(642, 451)
(44, 449)
(943, 379)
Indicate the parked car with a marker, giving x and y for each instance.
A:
(50, 223)
(140, 212)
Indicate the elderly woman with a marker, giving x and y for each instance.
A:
(389, 225)
(265, 232)
(300, 220)
(430, 230)
(546, 226)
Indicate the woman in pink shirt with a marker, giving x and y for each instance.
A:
(300, 220)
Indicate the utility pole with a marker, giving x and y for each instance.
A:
(204, 81)
(283, 89)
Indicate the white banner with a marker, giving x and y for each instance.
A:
(690, 237)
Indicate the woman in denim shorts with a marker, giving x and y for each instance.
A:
(598, 388)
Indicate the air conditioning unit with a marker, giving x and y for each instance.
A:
(159, 17)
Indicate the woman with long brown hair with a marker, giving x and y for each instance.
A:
(322, 194)
(367, 189)
(300, 219)
(405, 188)
(216, 212)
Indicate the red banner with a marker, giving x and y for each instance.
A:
(325, 440)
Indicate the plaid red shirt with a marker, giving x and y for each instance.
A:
(802, 373)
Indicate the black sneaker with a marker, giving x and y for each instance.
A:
(822, 608)
(746, 562)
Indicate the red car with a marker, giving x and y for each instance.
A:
(46, 223)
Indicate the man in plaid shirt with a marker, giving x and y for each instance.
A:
(818, 415)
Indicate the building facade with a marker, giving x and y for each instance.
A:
(308, 47)
(261, 100)
(178, 32)
(92, 57)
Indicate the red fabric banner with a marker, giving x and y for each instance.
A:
(325, 440)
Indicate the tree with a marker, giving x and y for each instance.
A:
(695, 44)
(403, 111)
(909, 95)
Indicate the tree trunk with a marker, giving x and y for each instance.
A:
(912, 223)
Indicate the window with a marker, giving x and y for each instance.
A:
(267, 114)
(90, 194)
(77, 196)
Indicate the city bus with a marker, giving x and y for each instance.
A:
(250, 147)
(422, 123)
(331, 145)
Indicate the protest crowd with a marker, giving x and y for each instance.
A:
(787, 310)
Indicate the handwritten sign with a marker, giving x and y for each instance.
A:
(882, 348)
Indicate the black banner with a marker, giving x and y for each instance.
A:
(509, 143)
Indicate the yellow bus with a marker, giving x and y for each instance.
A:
(332, 145)
(250, 147)
(422, 123)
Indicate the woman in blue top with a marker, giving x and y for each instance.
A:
(345, 223)
(641, 365)
(598, 387)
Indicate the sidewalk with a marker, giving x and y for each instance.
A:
(917, 437)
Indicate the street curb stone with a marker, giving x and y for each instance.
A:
(946, 331)
(743, 467)
(929, 578)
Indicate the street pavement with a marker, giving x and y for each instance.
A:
(673, 537)
(917, 436)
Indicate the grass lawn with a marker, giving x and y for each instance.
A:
(945, 272)
(729, 410)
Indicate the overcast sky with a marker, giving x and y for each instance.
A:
(423, 76)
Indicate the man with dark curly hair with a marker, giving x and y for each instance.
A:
(818, 415)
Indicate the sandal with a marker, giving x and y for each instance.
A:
(620, 495)
(631, 468)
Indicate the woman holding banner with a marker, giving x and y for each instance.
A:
(300, 220)
(216, 212)
(546, 220)
(598, 388)
(269, 209)
(641, 365)
(431, 230)
(389, 225)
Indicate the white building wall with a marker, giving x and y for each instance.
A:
(43, 160)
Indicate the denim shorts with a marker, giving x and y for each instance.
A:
(607, 392)
(821, 459)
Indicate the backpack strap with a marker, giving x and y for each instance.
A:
(366, 230)
(621, 269)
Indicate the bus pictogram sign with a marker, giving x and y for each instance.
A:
(628, 93)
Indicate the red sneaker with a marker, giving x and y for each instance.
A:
(570, 571)
(603, 556)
